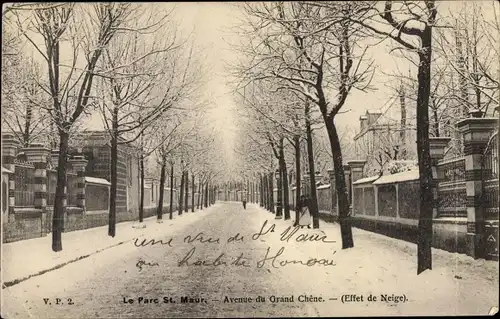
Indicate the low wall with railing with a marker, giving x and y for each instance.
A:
(24, 176)
(390, 205)
(451, 188)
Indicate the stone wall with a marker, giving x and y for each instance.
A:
(447, 235)
(32, 223)
(26, 224)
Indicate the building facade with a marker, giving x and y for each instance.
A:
(382, 139)
(96, 148)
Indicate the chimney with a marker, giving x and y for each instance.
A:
(362, 122)
(373, 117)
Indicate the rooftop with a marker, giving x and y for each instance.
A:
(398, 177)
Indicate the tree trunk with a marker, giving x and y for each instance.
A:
(284, 182)
(254, 190)
(192, 193)
(159, 211)
(264, 191)
(296, 141)
(114, 181)
(268, 194)
(141, 206)
(340, 187)
(261, 190)
(186, 192)
(265, 194)
(402, 133)
(250, 191)
(181, 195)
(206, 195)
(313, 198)
(114, 174)
(27, 125)
(286, 190)
(199, 193)
(461, 65)
(424, 158)
(279, 190)
(213, 194)
(202, 194)
(171, 191)
(58, 215)
(209, 195)
(271, 192)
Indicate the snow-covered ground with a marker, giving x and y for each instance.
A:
(26, 258)
(377, 265)
(457, 284)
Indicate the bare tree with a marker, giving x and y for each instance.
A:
(169, 143)
(85, 30)
(313, 52)
(24, 104)
(468, 45)
(137, 92)
(276, 120)
(396, 17)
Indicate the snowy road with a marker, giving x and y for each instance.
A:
(167, 280)
(99, 285)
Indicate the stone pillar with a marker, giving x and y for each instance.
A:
(476, 133)
(356, 167)
(437, 146)
(7, 175)
(37, 154)
(9, 150)
(79, 163)
(54, 158)
(333, 193)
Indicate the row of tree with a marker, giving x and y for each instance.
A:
(304, 59)
(67, 64)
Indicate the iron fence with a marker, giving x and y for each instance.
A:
(490, 159)
(24, 192)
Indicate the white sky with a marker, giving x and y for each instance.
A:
(211, 23)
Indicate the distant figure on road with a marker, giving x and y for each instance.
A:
(304, 215)
(244, 200)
